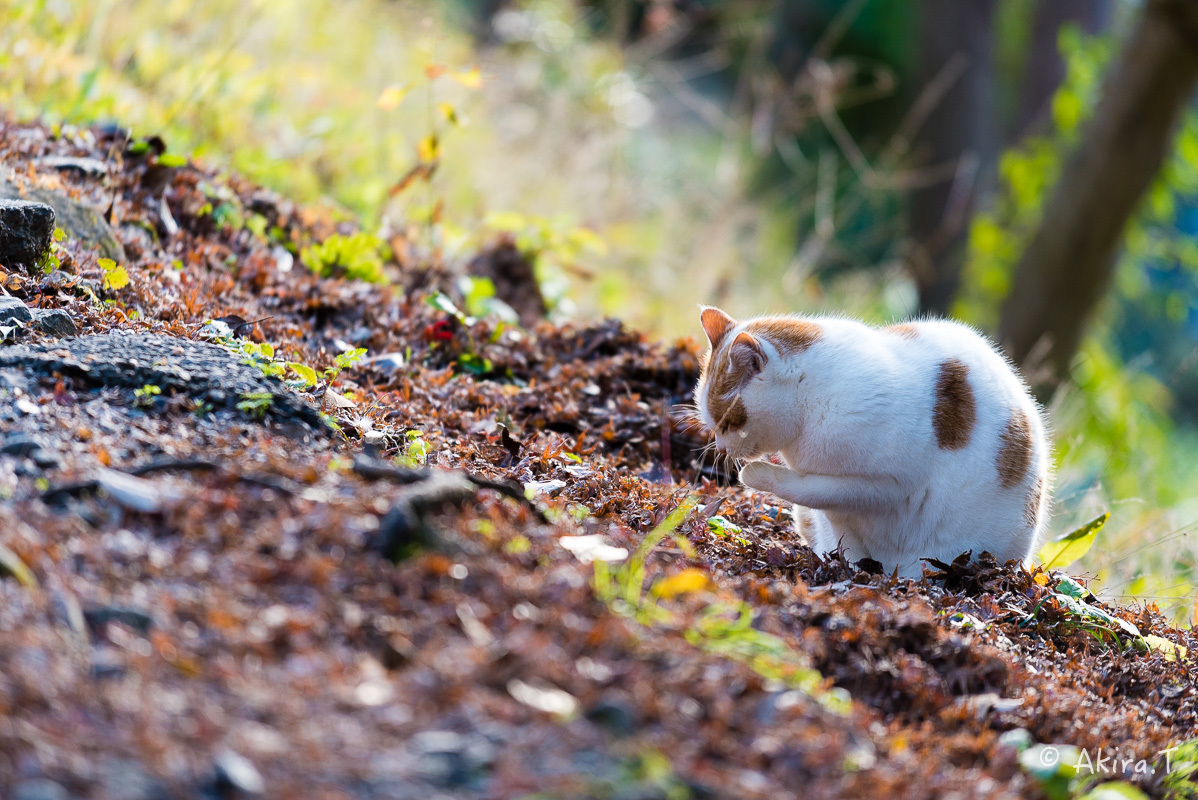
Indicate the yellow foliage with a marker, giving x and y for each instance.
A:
(686, 582)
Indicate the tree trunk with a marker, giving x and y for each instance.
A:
(1067, 266)
(1044, 68)
(962, 128)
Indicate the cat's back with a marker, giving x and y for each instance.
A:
(952, 353)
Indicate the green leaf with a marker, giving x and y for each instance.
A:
(350, 357)
(722, 525)
(172, 160)
(474, 364)
(1115, 790)
(1062, 552)
(441, 302)
(306, 373)
(1067, 585)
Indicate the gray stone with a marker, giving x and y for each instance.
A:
(18, 444)
(80, 221)
(26, 231)
(98, 617)
(13, 309)
(92, 167)
(201, 371)
(123, 779)
(236, 775)
(55, 322)
(39, 789)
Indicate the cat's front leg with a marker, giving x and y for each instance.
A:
(827, 492)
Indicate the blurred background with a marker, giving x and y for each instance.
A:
(880, 158)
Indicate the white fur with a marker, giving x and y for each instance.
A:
(852, 418)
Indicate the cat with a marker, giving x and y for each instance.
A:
(901, 443)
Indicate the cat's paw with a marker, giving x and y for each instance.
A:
(761, 475)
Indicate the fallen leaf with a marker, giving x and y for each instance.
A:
(685, 582)
(549, 699)
(592, 548)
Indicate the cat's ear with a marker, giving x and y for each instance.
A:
(746, 354)
(716, 324)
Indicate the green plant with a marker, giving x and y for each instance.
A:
(359, 256)
(256, 404)
(723, 628)
(478, 295)
(344, 361)
(115, 276)
(52, 258)
(146, 395)
(1181, 771)
(416, 450)
(1064, 550)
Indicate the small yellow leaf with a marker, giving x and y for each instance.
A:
(392, 96)
(1041, 579)
(306, 373)
(1170, 650)
(449, 112)
(428, 149)
(685, 582)
(11, 564)
(1062, 552)
(470, 78)
(116, 278)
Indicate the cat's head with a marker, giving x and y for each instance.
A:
(742, 394)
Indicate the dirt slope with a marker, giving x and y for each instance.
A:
(202, 602)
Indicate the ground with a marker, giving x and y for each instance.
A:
(214, 590)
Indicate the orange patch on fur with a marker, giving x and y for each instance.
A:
(906, 330)
(955, 412)
(1034, 504)
(729, 416)
(790, 336)
(1015, 449)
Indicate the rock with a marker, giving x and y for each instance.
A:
(99, 617)
(18, 444)
(80, 221)
(12, 309)
(451, 760)
(11, 379)
(67, 615)
(124, 779)
(201, 371)
(615, 715)
(26, 231)
(39, 789)
(387, 362)
(93, 167)
(134, 493)
(45, 459)
(236, 776)
(404, 530)
(55, 322)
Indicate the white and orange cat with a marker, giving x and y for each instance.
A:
(902, 443)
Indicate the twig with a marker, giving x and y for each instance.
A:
(373, 470)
